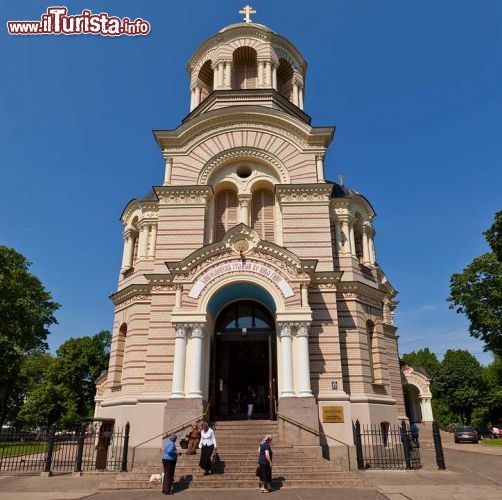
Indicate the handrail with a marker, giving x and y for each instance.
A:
(313, 431)
(170, 431)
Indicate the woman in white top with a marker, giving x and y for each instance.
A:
(207, 445)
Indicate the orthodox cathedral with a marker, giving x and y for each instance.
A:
(246, 274)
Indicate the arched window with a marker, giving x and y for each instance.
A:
(285, 79)
(370, 332)
(245, 68)
(263, 214)
(206, 77)
(119, 353)
(225, 212)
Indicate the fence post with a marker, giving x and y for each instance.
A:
(438, 445)
(126, 448)
(50, 451)
(359, 446)
(80, 449)
(406, 444)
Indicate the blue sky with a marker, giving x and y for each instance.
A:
(414, 88)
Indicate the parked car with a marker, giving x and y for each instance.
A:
(485, 434)
(497, 431)
(467, 434)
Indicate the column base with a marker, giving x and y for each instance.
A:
(303, 410)
(178, 411)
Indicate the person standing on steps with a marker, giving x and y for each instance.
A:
(207, 446)
(193, 439)
(169, 459)
(265, 464)
(250, 400)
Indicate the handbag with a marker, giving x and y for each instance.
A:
(215, 458)
(184, 443)
(257, 474)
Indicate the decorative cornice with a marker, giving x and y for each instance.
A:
(129, 292)
(307, 193)
(186, 195)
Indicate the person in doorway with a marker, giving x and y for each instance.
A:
(169, 459)
(415, 431)
(265, 464)
(207, 445)
(193, 439)
(250, 401)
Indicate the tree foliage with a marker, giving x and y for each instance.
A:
(77, 364)
(26, 312)
(425, 359)
(477, 291)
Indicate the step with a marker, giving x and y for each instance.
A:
(248, 483)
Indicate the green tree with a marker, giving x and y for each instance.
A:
(47, 404)
(461, 384)
(424, 358)
(477, 291)
(26, 312)
(77, 364)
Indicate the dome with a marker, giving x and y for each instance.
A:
(247, 57)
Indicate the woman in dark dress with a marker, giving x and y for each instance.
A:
(265, 464)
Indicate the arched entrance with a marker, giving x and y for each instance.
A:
(412, 403)
(243, 367)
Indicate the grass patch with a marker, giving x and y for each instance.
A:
(492, 442)
(17, 448)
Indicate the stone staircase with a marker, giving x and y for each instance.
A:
(238, 443)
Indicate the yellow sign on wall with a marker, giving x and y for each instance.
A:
(332, 414)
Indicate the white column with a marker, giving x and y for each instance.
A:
(295, 94)
(192, 99)
(352, 238)
(274, 76)
(143, 241)
(372, 250)
(300, 95)
(319, 159)
(303, 370)
(197, 95)
(366, 248)
(210, 217)
(261, 70)
(153, 240)
(180, 347)
(426, 407)
(287, 389)
(346, 236)
(220, 74)
(168, 171)
(228, 75)
(268, 74)
(129, 251)
(215, 77)
(125, 259)
(244, 201)
(196, 352)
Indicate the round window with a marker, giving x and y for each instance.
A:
(244, 171)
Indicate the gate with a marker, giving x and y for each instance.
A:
(386, 447)
(95, 445)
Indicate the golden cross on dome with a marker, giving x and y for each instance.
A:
(247, 11)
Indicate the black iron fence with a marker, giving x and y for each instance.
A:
(386, 446)
(97, 445)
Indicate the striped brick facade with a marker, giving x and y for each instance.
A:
(319, 273)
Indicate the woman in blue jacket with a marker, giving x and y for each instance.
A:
(169, 458)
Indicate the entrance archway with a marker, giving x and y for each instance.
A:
(243, 368)
(412, 403)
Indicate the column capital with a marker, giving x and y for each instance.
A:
(302, 329)
(180, 330)
(284, 329)
(198, 330)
